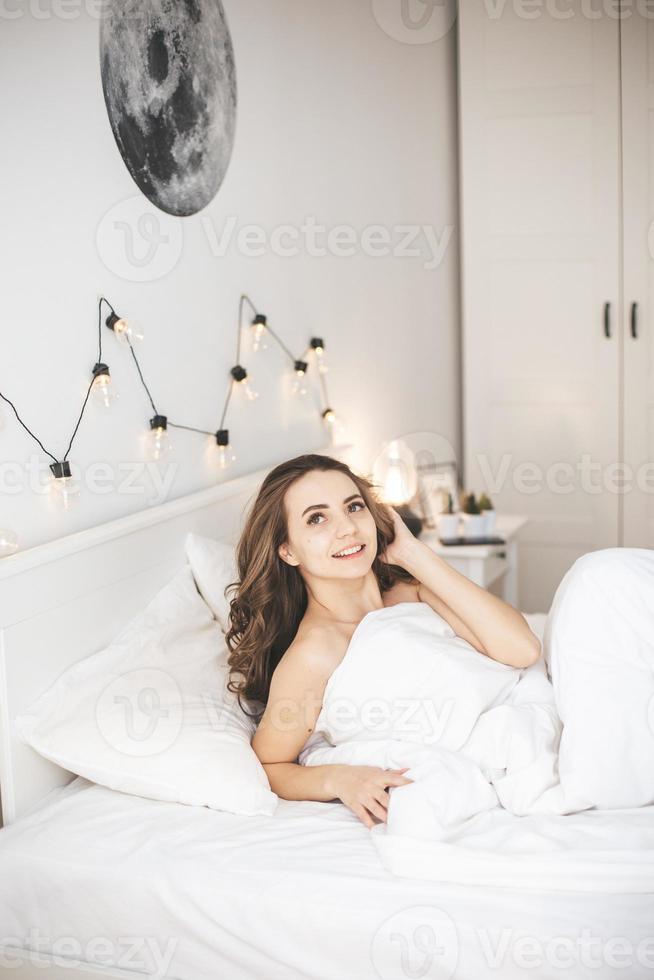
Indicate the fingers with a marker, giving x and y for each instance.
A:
(363, 815)
(374, 807)
(391, 779)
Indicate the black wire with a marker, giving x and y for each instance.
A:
(4, 398)
(88, 392)
(282, 344)
(229, 395)
(138, 368)
(323, 385)
(244, 299)
(190, 428)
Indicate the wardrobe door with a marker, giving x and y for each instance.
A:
(637, 31)
(540, 210)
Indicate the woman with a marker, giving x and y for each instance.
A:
(317, 554)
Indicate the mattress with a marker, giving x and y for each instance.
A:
(183, 892)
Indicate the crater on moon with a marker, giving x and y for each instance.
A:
(169, 83)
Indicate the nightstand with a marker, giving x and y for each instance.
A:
(485, 564)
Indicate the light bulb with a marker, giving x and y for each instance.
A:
(157, 440)
(63, 488)
(299, 387)
(318, 347)
(8, 542)
(225, 455)
(103, 391)
(127, 331)
(335, 427)
(259, 328)
(241, 376)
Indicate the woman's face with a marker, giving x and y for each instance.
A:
(326, 515)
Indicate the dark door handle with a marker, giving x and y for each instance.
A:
(607, 319)
(634, 320)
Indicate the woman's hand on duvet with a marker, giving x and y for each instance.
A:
(363, 789)
(403, 544)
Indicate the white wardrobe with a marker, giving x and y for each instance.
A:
(556, 117)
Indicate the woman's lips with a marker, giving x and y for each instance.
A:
(353, 555)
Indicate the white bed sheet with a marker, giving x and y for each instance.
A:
(191, 893)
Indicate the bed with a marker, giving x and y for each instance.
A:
(95, 882)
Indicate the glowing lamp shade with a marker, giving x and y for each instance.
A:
(395, 473)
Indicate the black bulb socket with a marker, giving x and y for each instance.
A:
(112, 320)
(159, 422)
(222, 437)
(239, 373)
(100, 369)
(317, 342)
(260, 320)
(301, 366)
(60, 470)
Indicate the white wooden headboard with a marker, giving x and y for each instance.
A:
(62, 601)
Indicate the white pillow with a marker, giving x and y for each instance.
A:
(214, 566)
(150, 715)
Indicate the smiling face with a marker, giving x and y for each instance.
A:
(326, 515)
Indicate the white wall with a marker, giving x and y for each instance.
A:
(337, 122)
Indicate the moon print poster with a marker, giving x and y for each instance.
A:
(169, 83)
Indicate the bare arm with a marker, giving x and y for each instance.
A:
(294, 702)
(296, 692)
(291, 781)
(491, 625)
(488, 623)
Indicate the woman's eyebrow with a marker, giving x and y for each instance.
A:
(326, 506)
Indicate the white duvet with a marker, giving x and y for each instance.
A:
(494, 751)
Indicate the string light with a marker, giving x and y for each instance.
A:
(259, 324)
(300, 370)
(318, 347)
(241, 377)
(65, 490)
(102, 389)
(158, 442)
(225, 455)
(128, 331)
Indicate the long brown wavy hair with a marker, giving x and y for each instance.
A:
(270, 595)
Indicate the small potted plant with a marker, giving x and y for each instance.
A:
(474, 523)
(487, 509)
(448, 521)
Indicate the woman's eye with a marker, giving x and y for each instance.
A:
(355, 503)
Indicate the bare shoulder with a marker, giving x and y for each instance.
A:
(316, 650)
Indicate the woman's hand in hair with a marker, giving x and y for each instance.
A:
(363, 789)
(399, 550)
